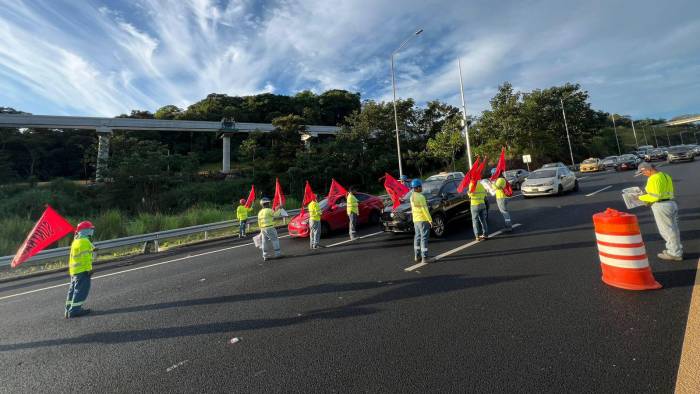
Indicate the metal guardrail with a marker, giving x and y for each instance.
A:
(138, 239)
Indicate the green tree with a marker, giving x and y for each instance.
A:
(446, 143)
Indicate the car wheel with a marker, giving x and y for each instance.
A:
(374, 217)
(560, 190)
(325, 229)
(575, 186)
(438, 225)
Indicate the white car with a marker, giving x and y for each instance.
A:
(549, 181)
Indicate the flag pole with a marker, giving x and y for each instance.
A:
(465, 125)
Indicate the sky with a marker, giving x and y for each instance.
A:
(103, 58)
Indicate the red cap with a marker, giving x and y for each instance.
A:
(242, 201)
(84, 226)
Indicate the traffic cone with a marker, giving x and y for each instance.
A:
(623, 257)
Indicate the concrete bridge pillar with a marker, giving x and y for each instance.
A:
(226, 164)
(103, 136)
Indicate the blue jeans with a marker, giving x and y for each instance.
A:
(420, 238)
(479, 220)
(503, 207)
(241, 228)
(666, 217)
(314, 232)
(77, 293)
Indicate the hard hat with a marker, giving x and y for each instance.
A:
(264, 201)
(242, 201)
(404, 177)
(84, 226)
(416, 183)
(493, 171)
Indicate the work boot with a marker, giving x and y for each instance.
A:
(425, 260)
(665, 256)
(79, 313)
(416, 259)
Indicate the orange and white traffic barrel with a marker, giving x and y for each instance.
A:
(623, 257)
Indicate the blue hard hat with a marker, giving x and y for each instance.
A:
(416, 183)
(493, 171)
(404, 177)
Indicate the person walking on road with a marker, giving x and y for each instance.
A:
(80, 270)
(659, 194)
(502, 202)
(353, 212)
(242, 215)
(422, 222)
(478, 210)
(268, 232)
(314, 223)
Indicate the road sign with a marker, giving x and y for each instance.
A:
(527, 159)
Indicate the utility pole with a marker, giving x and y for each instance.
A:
(619, 152)
(465, 122)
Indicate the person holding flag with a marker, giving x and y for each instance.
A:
(242, 213)
(422, 222)
(477, 196)
(268, 232)
(314, 223)
(503, 190)
(80, 269)
(353, 211)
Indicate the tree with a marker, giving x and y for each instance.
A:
(168, 112)
(447, 143)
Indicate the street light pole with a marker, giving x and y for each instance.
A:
(645, 135)
(619, 152)
(393, 88)
(656, 142)
(465, 124)
(668, 137)
(681, 133)
(566, 127)
(634, 132)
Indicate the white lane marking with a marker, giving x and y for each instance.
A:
(346, 241)
(134, 269)
(455, 250)
(584, 177)
(181, 363)
(598, 191)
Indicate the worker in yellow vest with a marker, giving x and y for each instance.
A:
(478, 210)
(422, 222)
(242, 215)
(659, 194)
(502, 202)
(80, 269)
(268, 232)
(314, 223)
(353, 212)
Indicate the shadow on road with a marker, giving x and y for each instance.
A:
(395, 290)
(678, 278)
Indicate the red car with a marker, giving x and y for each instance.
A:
(335, 217)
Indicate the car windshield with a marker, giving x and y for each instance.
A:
(432, 187)
(550, 165)
(590, 161)
(543, 174)
(628, 157)
(511, 174)
(677, 149)
(610, 159)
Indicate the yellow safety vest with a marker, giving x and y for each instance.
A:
(419, 208)
(80, 256)
(500, 185)
(266, 218)
(314, 211)
(352, 204)
(659, 187)
(242, 212)
(479, 195)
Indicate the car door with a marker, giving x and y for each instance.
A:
(459, 202)
(363, 208)
(337, 214)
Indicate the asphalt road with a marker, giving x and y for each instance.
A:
(525, 312)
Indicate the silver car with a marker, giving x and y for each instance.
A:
(549, 181)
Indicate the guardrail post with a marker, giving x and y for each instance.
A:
(150, 247)
(206, 235)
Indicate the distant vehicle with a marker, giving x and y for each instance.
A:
(445, 176)
(680, 153)
(553, 165)
(645, 148)
(549, 181)
(445, 203)
(335, 217)
(695, 149)
(516, 177)
(627, 162)
(592, 165)
(610, 162)
(654, 155)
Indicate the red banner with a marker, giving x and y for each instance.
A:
(335, 191)
(309, 195)
(279, 199)
(500, 169)
(476, 175)
(251, 197)
(395, 189)
(467, 177)
(50, 228)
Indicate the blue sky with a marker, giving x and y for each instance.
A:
(89, 57)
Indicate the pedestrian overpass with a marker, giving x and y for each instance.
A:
(105, 126)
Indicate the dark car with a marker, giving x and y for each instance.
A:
(516, 177)
(654, 155)
(446, 205)
(626, 162)
(680, 153)
(610, 162)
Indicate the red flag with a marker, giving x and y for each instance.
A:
(476, 176)
(501, 166)
(335, 191)
(279, 199)
(50, 228)
(309, 195)
(251, 197)
(395, 189)
(468, 177)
